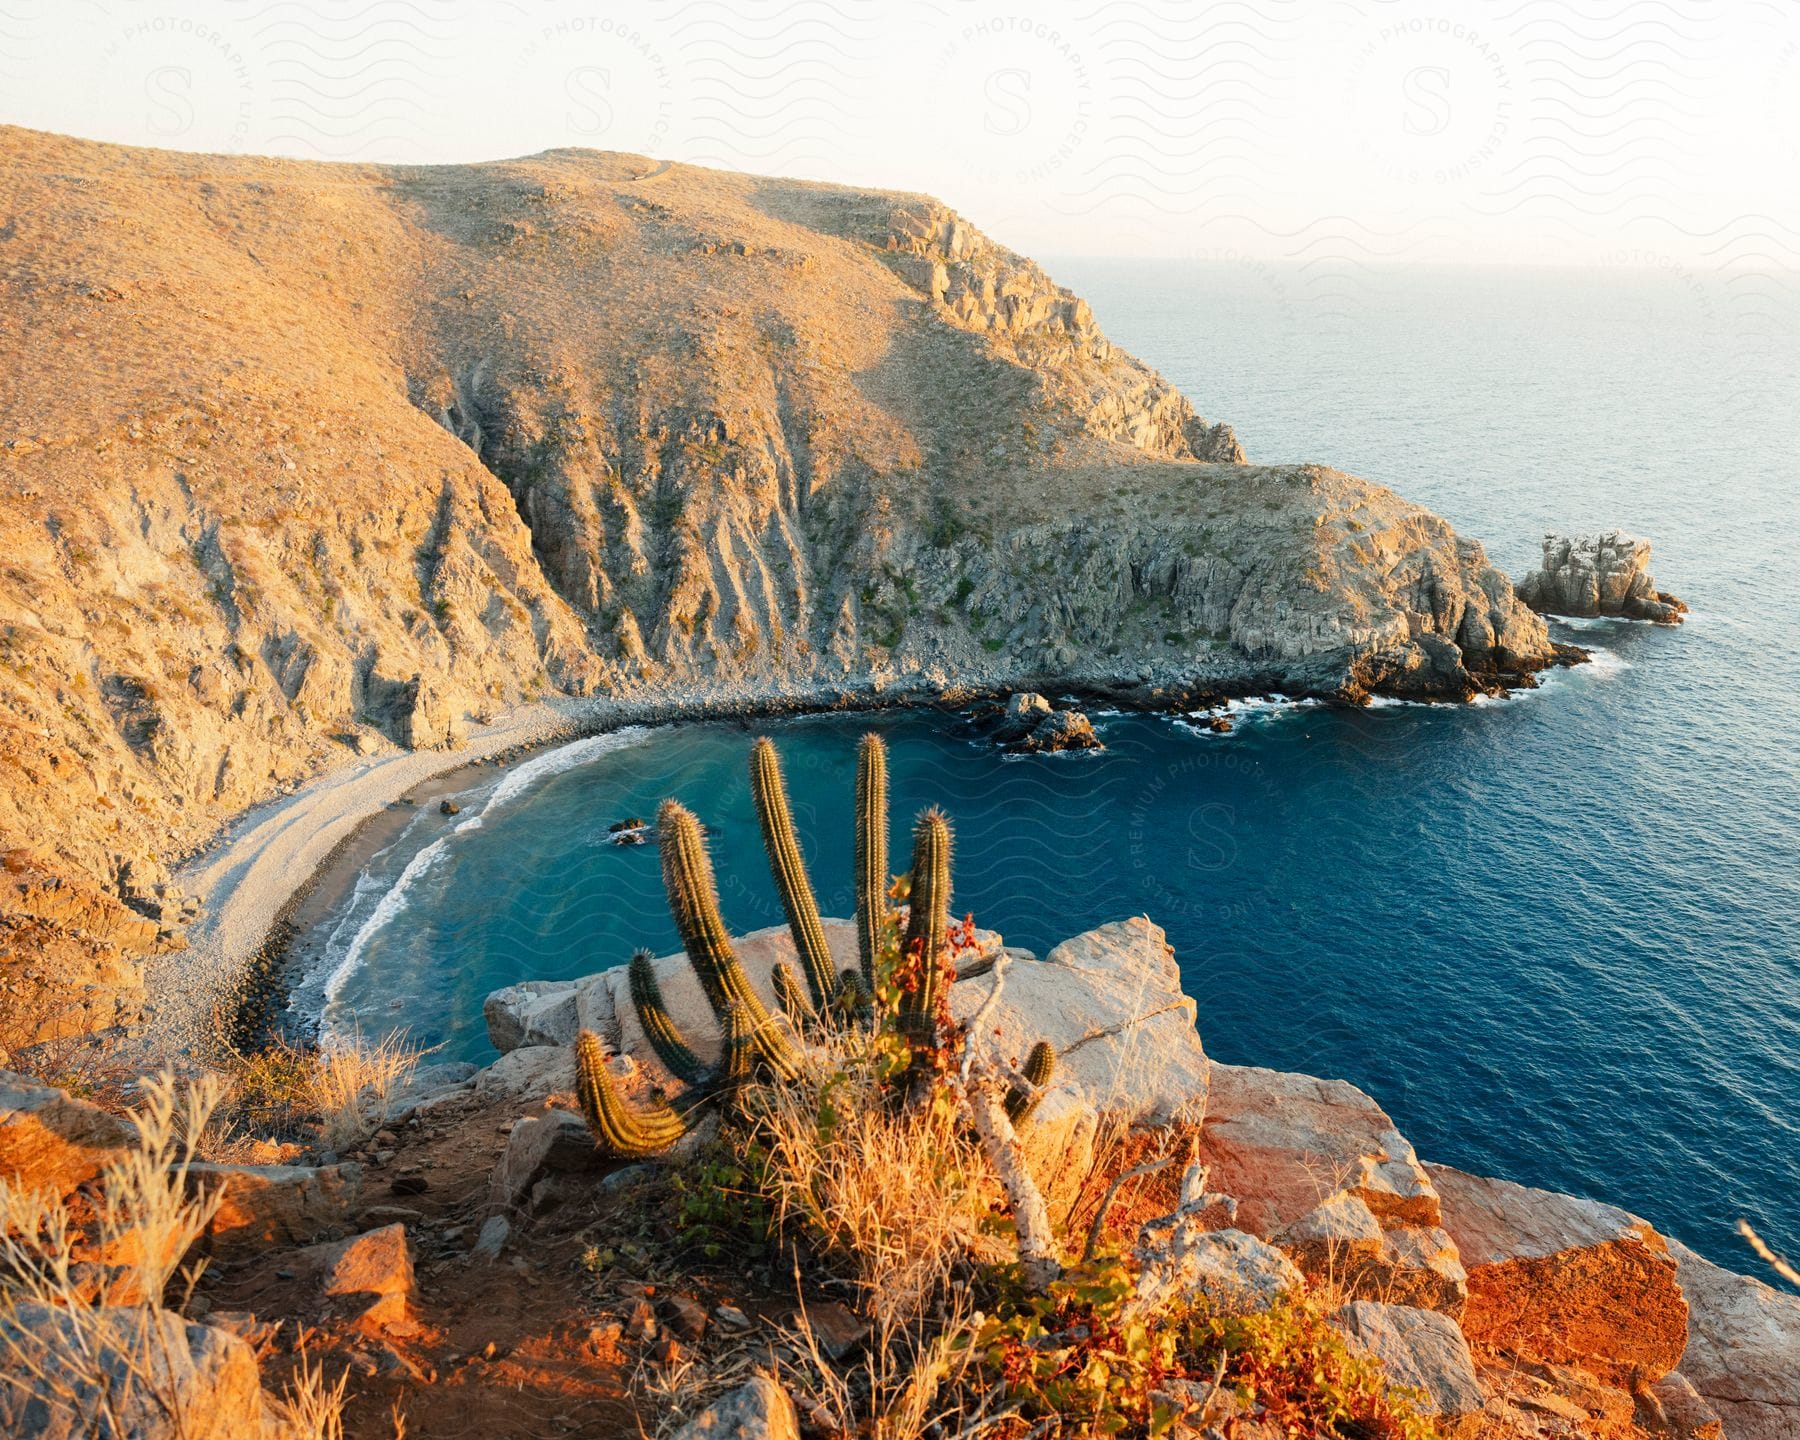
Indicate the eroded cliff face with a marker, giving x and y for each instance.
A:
(302, 460)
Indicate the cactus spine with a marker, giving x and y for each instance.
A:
(925, 927)
(871, 853)
(794, 1003)
(1040, 1065)
(694, 902)
(619, 1129)
(788, 867)
(659, 1026)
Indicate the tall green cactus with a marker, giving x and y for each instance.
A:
(871, 852)
(694, 902)
(788, 867)
(926, 928)
(659, 1026)
(1040, 1065)
(620, 1129)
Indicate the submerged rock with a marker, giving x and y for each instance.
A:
(1024, 712)
(1064, 730)
(1605, 574)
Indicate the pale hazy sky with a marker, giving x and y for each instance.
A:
(1639, 132)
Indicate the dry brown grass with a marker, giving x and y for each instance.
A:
(94, 1337)
(310, 1409)
(893, 1197)
(352, 1084)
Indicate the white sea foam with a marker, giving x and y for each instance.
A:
(390, 906)
(564, 757)
(510, 788)
(1243, 711)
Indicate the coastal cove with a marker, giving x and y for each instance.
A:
(1275, 857)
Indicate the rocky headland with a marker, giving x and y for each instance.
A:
(309, 467)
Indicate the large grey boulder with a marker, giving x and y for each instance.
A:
(1235, 1272)
(539, 1148)
(757, 1410)
(49, 1140)
(150, 1371)
(1420, 1349)
(1743, 1348)
(1110, 1002)
(1606, 574)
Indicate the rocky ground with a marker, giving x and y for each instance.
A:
(301, 464)
(478, 1267)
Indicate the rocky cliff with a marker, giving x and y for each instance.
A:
(302, 460)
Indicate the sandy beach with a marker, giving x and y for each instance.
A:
(266, 856)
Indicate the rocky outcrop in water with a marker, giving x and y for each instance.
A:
(1599, 575)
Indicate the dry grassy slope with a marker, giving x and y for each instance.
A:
(276, 438)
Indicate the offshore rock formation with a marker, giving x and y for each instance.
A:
(300, 462)
(1599, 575)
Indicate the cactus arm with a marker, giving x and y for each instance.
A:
(794, 1003)
(853, 997)
(926, 936)
(1040, 1065)
(694, 902)
(737, 1059)
(619, 1128)
(659, 1026)
(871, 852)
(788, 867)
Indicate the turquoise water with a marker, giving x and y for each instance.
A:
(1557, 936)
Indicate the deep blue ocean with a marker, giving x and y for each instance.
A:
(1558, 936)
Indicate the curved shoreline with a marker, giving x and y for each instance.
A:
(257, 874)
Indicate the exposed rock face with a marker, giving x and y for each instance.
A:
(49, 1140)
(1743, 1348)
(1565, 1280)
(1599, 575)
(1111, 1002)
(267, 1205)
(302, 461)
(1418, 1348)
(161, 1378)
(1235, 1272)
(1283, 1143)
